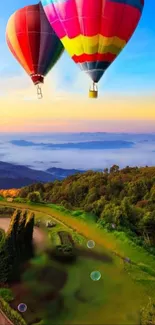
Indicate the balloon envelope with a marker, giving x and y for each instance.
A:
(94, 31)
(33, 42)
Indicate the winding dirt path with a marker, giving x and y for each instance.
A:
(4, 320)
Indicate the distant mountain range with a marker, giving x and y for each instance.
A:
(17, 176)
(88, 145)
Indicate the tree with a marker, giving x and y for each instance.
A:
(28, 236)
(131, 214)
(98, 206)
(24, 192)
(11, 235)
(34, 197)
(118, 216)
(11, 247)
(114, 187)
(92, 196)
(152, 194)
(127, 170)
(114, 169)
(4, 262)
(108, 213)
(137, 190)
(20, 235)
(148, 226)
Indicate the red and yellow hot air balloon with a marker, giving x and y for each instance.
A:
(33, 42)
(94, 31)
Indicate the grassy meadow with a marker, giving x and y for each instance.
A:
(123, 289)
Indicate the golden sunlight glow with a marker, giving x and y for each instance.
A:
(64, 111)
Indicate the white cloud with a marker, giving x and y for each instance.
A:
(21, 87)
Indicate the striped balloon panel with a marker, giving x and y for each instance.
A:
(32, 40)
(94, 32)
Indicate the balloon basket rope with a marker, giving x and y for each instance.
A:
(39, 92)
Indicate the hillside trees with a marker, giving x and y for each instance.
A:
(147, 227)
(123, 196)
(114, 169)
(34, 197)
(137, 190)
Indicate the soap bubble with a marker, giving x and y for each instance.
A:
(22, 307)
(95, 275)
(127, 259)
(90, 244)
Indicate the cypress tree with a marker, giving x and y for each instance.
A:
(11, 234)
(29, 226)
(21, 236)
(4, 265)
(17, 246)
(11, 248)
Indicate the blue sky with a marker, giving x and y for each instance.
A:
(133, 70)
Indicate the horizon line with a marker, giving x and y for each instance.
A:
(80, 132)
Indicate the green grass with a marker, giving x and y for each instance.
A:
(79, 214)
(128, 248)
(95, 294)
(99, 298)
(59, 227)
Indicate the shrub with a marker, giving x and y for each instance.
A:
(148, 314)
(6, 294)
(66, 205)
(88, 208)
(66, 238)
(65, 253)
(64, 250)
(6, 211)
(56, 241)
(19, 200)
(77, 213)
(34, 197)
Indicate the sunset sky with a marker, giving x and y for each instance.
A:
(126, 92)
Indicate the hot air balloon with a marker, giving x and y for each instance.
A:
(94, 31)
(33, 42)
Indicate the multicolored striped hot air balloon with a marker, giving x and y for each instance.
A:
(93, 31)
(33, 42)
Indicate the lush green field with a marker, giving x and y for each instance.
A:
(86, 299)
(123, 288)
